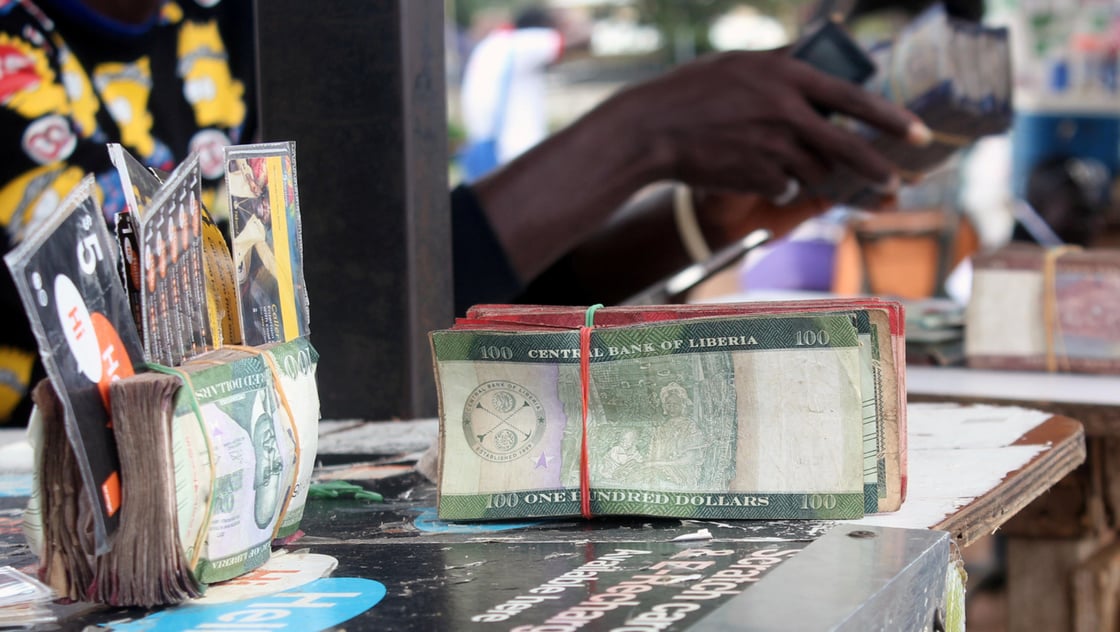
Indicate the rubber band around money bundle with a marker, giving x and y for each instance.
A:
(193, 403)
(200, 539)
(283, 397)
(585, 397)
(1050, 319)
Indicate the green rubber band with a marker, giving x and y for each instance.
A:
(589, 318)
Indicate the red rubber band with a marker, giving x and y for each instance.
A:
(585, 396)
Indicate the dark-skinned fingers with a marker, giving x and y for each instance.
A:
(804, 165)
(844, 147)
(761, 177)
(766, 178)
(731, 160)
(851, 99)
(754, 178)
(776, 144)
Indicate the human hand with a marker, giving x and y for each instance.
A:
(745, 121)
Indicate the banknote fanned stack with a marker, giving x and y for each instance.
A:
(23, 600)
(1055, 309)
(168, 455)
(934, 332)
(758, 410)
(954, 74)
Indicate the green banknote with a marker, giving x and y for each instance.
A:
(740, 417)
(880, 369)
(244, 437)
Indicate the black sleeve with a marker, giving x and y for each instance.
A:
(482, 272)
(558, 285)
(484, 275)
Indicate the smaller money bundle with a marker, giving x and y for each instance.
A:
(757, 410)
(1045, 310)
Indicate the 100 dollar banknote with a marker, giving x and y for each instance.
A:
(879, 326)
(245, 433)
(741, 417)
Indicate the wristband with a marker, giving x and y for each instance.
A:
(687, 226)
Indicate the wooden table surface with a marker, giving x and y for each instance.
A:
(1063, 562)
(1093, 400)
(972, 467)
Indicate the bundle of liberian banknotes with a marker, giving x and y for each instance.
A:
(954, 74)
(215, 462)
(756, 410)
(1040, 309)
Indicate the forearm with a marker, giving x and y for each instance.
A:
(552, 198)
(637, 248)
(759, 134)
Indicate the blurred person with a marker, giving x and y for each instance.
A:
(162, 78)
(503, 91)
(1068, 194)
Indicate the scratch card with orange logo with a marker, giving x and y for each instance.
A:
(267, 242)
(66, 274)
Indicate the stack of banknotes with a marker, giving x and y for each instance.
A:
(211, 473)
(955, 75)
(934, 332)
(1054, 309)
(791, 409)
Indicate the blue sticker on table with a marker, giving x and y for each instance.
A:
(315, 606)
(15, 484)
(429, 521)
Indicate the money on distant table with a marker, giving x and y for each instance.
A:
(729, 411)
(1044, 309)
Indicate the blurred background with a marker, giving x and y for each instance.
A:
(1060, 158)
(609, 43)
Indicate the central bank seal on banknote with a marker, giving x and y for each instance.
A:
(503, 421)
